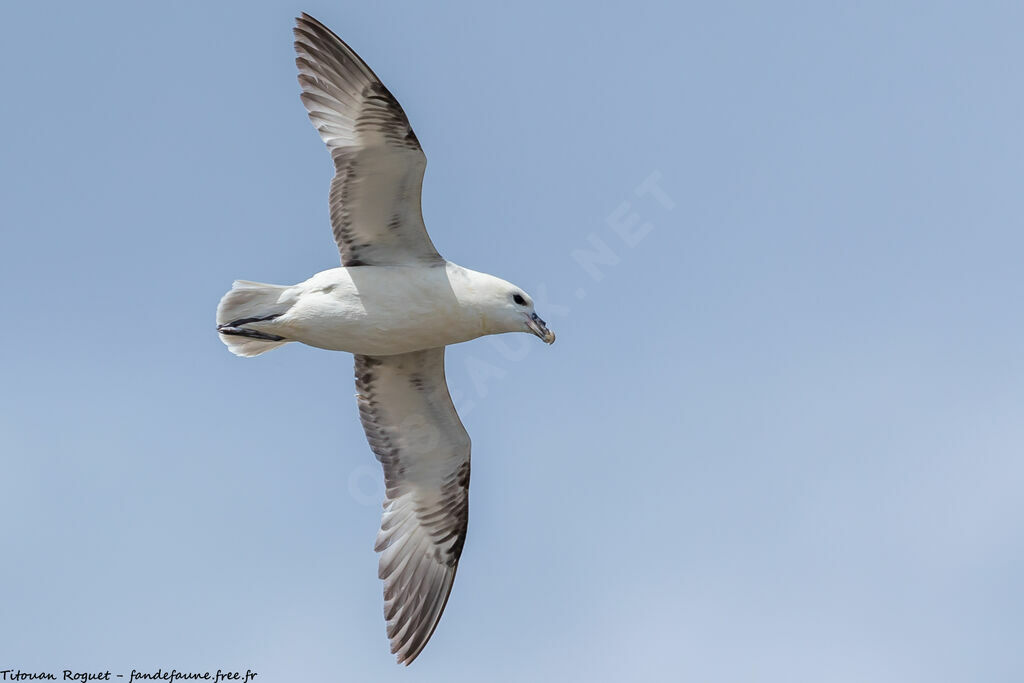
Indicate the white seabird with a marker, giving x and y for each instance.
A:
(395, 303)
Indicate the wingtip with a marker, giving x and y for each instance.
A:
(308, 24)
(309, 21)
(405, 659)
(409, 646)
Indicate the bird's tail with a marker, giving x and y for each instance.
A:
(245, 317)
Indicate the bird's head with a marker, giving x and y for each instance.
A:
(510, 309)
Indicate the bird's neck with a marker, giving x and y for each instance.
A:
(475, 293)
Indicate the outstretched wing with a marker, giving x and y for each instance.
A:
(413, 428)
(378, 162)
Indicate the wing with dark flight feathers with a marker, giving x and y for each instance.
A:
(413, 429)
(378, 162)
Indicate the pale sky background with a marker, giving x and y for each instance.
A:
(780, 439)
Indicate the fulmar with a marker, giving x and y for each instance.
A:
(395, 304)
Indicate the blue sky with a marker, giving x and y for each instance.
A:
(779, 437)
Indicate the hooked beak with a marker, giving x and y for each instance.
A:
(538, 327)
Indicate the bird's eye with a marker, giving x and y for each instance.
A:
(519, 299)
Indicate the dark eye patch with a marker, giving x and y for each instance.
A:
(519, 299)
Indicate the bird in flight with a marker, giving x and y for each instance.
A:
(395, 304)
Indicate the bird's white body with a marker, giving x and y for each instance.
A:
(372, 310)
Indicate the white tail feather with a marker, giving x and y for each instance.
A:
(252, 300)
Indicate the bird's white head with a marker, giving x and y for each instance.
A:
(509, 308)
